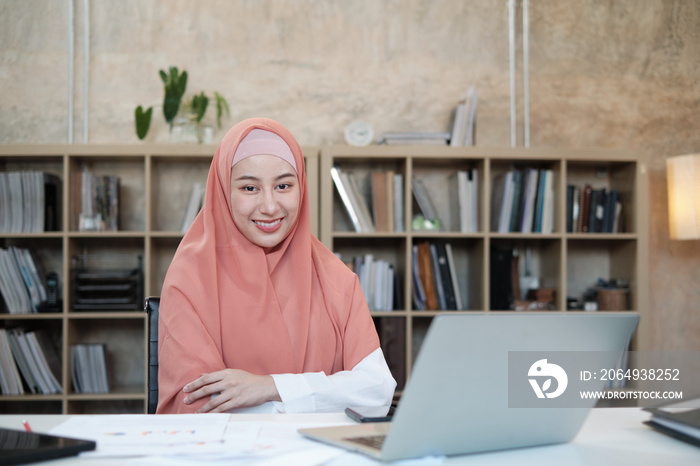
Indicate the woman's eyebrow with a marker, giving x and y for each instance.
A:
(255, 178)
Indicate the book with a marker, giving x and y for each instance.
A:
(425, 273)
(380, 201)
(89, 372)
(453, 276)
(680, 420)
(361, 201)
(10, 379)
(419, 297)
(193, 206)
(399, 219)
(501, 277)
(425, 204)
(440, 287)
(344, 192)
(413, 137)
(464, 121)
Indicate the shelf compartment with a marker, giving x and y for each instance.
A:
(390, 250)
(468, 255)
(607, 259)
(392, 337)
(125, 351)
(362, 170)
(524, 216)
(171, 186)
(132, 198)
(439, 177)
(620, 176)
(538, 263)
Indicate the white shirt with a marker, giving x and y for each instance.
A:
(369, 383)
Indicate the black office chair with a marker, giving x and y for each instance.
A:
(151, 307)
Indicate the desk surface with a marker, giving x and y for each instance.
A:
(609, 436)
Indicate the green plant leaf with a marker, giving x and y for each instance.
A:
(199, 105)
(175, 85)
(221, 105)
(143, 121)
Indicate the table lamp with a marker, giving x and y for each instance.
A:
(683, 177)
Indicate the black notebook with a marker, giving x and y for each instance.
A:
(680, 420)
(21, 447)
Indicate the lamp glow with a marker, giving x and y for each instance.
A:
(683, 177)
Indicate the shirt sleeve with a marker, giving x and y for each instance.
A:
(369, 383)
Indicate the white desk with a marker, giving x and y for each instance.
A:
(614, 436)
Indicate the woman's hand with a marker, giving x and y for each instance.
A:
(233, 388)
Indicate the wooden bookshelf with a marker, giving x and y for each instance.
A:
(155, 187)
(567, 262)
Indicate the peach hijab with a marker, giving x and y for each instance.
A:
(228, 303)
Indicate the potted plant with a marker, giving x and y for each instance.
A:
(188, 127)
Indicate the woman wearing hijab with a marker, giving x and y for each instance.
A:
(256, 314)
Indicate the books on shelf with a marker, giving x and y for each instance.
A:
(378, 282)
(33, 357)
(355, 204)
(21, 286)
(522, 201)
(465, 210)
(464, 121)
(593, 210)
(434, 277)
(29, 201)
(98, 201)
(193, 206)
(89, 368)
(425, 203)
(415, 137)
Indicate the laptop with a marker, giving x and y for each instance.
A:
(21, 447)
(484, 382)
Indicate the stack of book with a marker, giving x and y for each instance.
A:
(411, 137)
(435, 284)
(593, 210)
(31, 355)
(378, 282)
(98, 202)
(29, 202)
(523, 202)
(464, 123)
(387, 210)
(89, 368)
(465, 206)
(193, 206)
(21, 285)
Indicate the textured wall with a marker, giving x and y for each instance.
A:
(610, 74)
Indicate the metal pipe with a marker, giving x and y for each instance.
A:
(526, 73)
(511, 42)
(71, 41)
(86, 68)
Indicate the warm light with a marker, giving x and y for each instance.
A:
(683, 176)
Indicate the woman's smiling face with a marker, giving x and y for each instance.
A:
(265, 198)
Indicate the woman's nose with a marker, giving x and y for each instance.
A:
(268, 202)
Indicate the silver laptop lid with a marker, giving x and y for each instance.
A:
(457, 398)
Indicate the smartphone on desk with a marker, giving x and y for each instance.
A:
(376, 414)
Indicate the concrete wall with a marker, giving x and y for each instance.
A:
(615, 74)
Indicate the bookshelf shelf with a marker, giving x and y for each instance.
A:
(156, 182)
(564, 261)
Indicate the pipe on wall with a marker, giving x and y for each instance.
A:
(71, 57)
(86, 68)
(511, 54)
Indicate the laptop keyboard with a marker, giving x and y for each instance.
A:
(372, 441)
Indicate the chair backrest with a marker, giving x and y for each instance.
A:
(151, 307)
